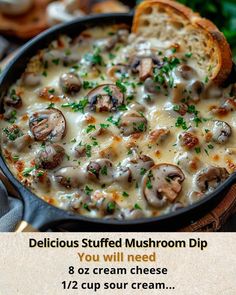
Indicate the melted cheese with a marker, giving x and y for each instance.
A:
(158, 111)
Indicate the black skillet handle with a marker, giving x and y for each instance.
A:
(38, 215)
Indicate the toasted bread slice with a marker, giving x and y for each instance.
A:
(168, 20)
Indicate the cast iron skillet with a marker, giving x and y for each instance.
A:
(41, 215)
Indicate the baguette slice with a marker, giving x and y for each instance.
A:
(168, 20)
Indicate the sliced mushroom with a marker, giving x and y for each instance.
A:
(117, 71)
(186, 72)
(221, 131)
(137, 107)
(70, 177)
(101, 170)
(31, 79)
(13, 100)
(209, 178)
(196, 89)
(50, 156)
(120, 36)
(105, 98)
(132, 122)
(79, 151)
(143, 65)
(146, 68)
(150, 86)
(70, 83)
(162, 184)
(48, 124)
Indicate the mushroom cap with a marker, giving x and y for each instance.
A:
(50, 156)
(105, 98)
(221, 131)
(132, 122)
(70, 83)
(48, 124)
(101, 170)
(162, 183)
(210, 177)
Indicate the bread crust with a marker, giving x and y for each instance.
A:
(218, 40)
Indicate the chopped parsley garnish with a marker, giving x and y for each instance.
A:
(111, 55)
(40, 173)
(210, 146)
(111, 207)
(89, 84)
(137, 207)
(122, 107)
(13, 115)
(56, 61)
(149, 184)
(104, 170)
(181, 123)
(176, 107)
(188, 55)
(114, 122)
(108, 90)
(104, 126)
(88, 148)
(206, 151)
(44, 73)
(140, 127)
(95, 57)
(206, 79)
(86, 207)
(73, 140)
(51, 105)
(77, 107)
(173, 50)
(26, 172)
(192, 110)
(143, 171)
(198, 150)
(90, 128)
(88, 190)
(51, 90)
(16, 158)
(197, 121)
(125, 194)
(121, 86)
(13, 134)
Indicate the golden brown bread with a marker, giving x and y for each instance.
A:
(168, 20)
(27, 25)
